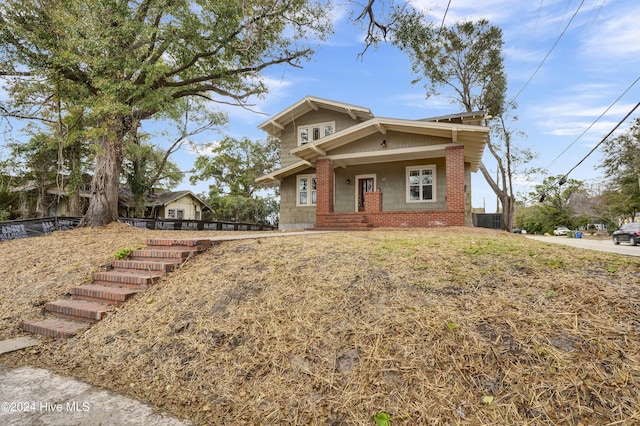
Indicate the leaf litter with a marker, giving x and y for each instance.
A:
(432, 326)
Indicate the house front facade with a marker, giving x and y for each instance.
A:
(344, 168)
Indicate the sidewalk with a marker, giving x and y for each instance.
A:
(33, 396)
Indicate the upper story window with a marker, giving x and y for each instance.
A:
(421, 183)
(312, 132)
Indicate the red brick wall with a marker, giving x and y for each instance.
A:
(324, 182)
(373, 201)
(415, 219)
(455, 179)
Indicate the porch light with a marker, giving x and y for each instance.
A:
(348, 181)
(383, 143)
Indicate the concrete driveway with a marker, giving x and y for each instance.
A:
(605, 245)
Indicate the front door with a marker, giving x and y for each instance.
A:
(364, 185)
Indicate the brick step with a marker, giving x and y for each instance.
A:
(77, 310)
(104, 294)
(56, 328)
(162, 243)
(162, 254)
(343, 227)
(133, 279)
(163, 267)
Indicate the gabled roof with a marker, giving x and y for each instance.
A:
(276, 124)
(165, 198)
(125, 198)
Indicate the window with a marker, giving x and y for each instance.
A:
(313, 132)
(171, 213)
(306, 190)
(421, 184)
(180, 214)
(198, 215)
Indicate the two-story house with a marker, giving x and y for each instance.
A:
(342, 167)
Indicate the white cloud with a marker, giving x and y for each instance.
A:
(616, 35)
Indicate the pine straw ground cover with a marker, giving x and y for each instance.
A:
(436, 326)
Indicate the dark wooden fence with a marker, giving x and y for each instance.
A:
(36, 227)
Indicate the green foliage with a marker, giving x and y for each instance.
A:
(124, 62)
(554, 208)
(239, 208)
(232, 170)
(235, 164)
(465, 57)
(621, 165)
(125, 252)
(382, 419)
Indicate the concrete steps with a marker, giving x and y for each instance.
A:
(124, 278)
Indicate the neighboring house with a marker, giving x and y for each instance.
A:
(178, 205)
(344, 168)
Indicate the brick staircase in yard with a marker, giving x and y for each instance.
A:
(123, 279)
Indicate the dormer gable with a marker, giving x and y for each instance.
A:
(309, 104)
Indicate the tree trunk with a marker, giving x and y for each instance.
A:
(105, 185)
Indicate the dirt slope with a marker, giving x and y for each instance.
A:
(441, 326)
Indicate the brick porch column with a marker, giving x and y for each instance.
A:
(455, 178)
(324, 186)
(373, 201)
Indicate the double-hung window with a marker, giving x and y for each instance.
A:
(421, 183)
(313, 132)
(307, 194)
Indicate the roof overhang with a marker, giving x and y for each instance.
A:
(277, 123)
(473, 138)
(277, 175)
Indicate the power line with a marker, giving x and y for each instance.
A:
(563, 179)
(594, 122)
(549, 52)
(445, 15)
(605, 138)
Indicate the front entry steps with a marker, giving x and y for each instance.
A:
(90, 302)
(342, 222)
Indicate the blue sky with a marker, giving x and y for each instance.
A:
(593, 63)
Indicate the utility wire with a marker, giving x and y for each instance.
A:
(563, 179)
(594, 122)
(445, 15)
(549, 52)
(605, 138)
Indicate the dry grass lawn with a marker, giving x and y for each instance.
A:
(435, 326)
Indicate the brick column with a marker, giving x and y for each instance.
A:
(324, 186)
(373, 201)
(455, 178)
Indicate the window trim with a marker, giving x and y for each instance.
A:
(309, 191)
(434, 195)
(308, 129)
